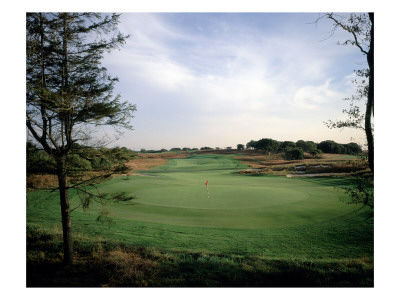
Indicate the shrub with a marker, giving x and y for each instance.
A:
(294, 153)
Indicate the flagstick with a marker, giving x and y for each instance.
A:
(208, 192)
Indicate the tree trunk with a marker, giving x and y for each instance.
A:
(370, 102)
(65, 212)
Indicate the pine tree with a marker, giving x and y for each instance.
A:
(68, 92)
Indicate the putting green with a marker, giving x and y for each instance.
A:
(247, 202)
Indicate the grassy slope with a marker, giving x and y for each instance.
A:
(264, 217)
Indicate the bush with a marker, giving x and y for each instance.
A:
(316, 152)
(294, 153)
(333, 147)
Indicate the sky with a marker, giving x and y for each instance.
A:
(222, 79)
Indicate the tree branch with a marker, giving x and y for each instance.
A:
(346, 28)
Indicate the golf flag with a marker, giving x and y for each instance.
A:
(207, 182)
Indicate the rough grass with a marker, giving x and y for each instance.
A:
(102, 264)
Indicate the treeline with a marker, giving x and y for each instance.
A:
(81, 158)
(296, 150)
(175, 149)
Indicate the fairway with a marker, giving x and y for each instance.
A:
(262, 215)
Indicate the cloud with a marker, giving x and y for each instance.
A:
(313, 97)
(211, 81)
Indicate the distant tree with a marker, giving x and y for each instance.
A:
(301, 144)
(352, 148)
(308, 146)
(68, 92)
(251, 144)
(268, 145)
(175, 149)
(240, 147)
(327, 146)
(333, 147)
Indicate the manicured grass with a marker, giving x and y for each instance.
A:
(262, 216)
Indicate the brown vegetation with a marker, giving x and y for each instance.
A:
(41, 181)
(146, 161)
(275, 164)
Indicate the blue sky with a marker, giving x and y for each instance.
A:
(220, 79)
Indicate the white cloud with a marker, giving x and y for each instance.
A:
(313, 97)
(227, 86)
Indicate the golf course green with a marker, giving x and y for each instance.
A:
(173, 209)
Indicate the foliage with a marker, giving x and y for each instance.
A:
(69, 94)
(329, 146)
(251, 144)
(38, 161)
(287, 144)
(81, 158)
(362, 192)
(268, 145)
(273, 146)
(317, 153)
(67, 88)
(240, 147)
(360, 28)
(294, 153)
(308, 146)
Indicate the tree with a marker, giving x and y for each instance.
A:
(268, 145)
(240, 147)
(361, 29)
(68, 92)
(352, 148)
(308, 146)
(328, 146)
(251, 144)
